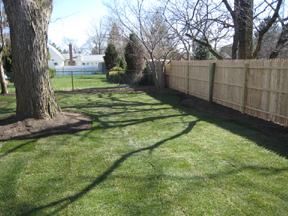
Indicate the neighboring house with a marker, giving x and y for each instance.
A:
(226, 51)
(56, 58)
(61, 62)
(83, 60)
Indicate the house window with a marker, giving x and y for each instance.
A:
(83, 63)
(91, 63)
(87, 63)
(95, 63)
(52, 59)
(55, 63)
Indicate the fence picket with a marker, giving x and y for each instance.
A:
(255, 87)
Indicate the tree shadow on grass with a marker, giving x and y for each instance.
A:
(223, 123)
(28, 146)
(233, 121)
(70, 199)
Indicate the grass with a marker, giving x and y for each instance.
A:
(64, 83)
(81, 82)
(145, 155)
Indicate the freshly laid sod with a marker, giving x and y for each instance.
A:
(64, 83)
(145, 155)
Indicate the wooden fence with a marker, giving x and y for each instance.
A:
(255, 87)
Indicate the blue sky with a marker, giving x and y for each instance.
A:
(78, 16)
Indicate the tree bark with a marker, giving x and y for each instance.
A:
(281, 42)
(4, 89)
(28, 21)
(249, 29)
(242, 28)
(235, 16)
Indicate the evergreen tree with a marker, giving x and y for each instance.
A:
(123, 63)
(111, 56)
(201, 52)
(133, 55)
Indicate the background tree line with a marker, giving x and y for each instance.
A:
(194, 29)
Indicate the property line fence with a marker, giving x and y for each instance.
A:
(78, 72)
(254, 87)
(75, 76)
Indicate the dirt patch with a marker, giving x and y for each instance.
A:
(64, 123)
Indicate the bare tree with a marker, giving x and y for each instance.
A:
(28, 22)
(144, 21)
(244, 19)
(282, 42)
(270, 39)
(97, 33)
(211, 22)
(75, 47)
(198, 22)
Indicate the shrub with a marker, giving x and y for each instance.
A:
(116, 76)
(52, 73)
(117, 69)
(113, 69)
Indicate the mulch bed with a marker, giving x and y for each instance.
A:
(68, 123)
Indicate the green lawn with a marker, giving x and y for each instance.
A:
(64, 83)
(81, 82)
(145, 155)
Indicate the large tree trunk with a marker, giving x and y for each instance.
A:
(4, 89)
(249, 29)
(28, 21)
(242, 28)
(235, 16)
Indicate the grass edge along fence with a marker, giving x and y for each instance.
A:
(255, 87)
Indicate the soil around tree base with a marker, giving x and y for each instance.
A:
(64, 123)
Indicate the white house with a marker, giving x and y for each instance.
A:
(56, 58)
(83, 60)
(61, 62)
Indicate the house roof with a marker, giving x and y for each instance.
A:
(55, 51)
(92, 57)
(84, 58)
(75, 56)
(226, 51)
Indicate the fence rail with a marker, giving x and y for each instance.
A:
(78, 72)
(255, 87)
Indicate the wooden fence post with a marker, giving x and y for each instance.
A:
(170, 77)
(187, 78)
(212, 68)
(244, 99)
